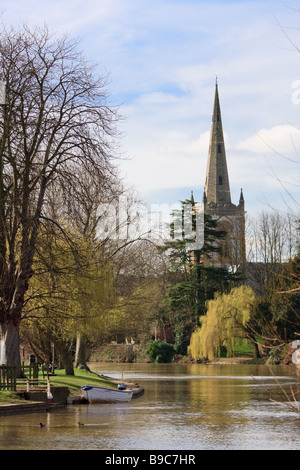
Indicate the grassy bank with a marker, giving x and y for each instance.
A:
(73, 382)
(9, 398)
(81, 377)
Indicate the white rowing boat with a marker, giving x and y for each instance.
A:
(96, 394)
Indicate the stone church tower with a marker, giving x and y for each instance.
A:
(217, 197)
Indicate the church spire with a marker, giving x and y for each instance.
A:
(217, 189)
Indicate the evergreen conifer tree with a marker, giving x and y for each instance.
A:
(196, 278)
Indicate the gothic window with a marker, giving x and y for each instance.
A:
(220, 180)
(219, 148)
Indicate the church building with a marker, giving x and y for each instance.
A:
(217, 196)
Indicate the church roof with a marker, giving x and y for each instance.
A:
(217, 188)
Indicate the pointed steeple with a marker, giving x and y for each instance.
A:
(241, 201)
(217, 189)
(192, 198)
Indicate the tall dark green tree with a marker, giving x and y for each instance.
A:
(196, 278)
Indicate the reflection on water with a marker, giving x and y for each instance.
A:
(185, 406)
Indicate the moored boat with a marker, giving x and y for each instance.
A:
(96, 394)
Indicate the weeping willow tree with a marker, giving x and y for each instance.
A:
(94, 295)
(225, 322)
(71, 289)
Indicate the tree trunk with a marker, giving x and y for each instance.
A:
(255, 346)
(68, 363)
(65, 356)
(10, 340)
(80, 355)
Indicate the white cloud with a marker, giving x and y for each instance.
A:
(68, 16)
(282, 139)
(155, 99)
(200, 146)
(163, 56)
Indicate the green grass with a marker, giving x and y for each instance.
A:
(243, 348)
(81, 377)
(73, 382)
(8, 397)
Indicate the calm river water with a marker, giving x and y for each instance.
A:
(185, 406)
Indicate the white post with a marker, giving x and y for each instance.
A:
(49, 394)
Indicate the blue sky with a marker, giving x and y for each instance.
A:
(163, 57)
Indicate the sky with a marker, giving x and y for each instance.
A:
(162, 58)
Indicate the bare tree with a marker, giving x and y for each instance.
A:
(56, 118)
(272, 238)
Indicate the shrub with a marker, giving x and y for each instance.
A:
(160, 351)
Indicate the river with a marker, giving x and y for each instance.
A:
(185, 406)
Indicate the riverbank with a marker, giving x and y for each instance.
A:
(237, 360)
(65, 390)
(129, 353)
